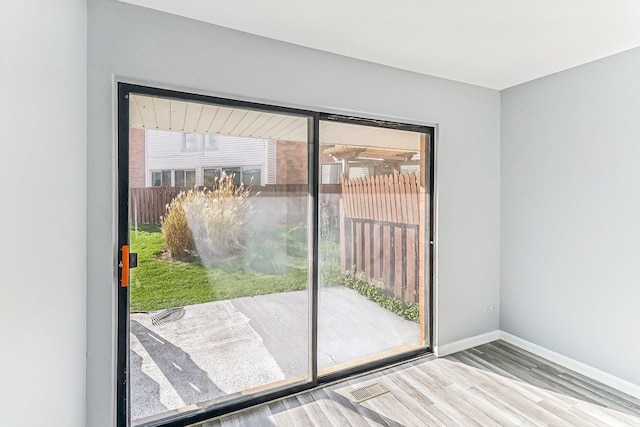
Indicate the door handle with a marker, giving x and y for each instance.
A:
(128, 261)
(124, 265)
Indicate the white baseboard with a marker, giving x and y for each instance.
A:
(579, 367)
(454, 347)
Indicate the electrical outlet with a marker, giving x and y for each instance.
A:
(489, 308)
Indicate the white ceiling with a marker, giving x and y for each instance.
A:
(491, 43)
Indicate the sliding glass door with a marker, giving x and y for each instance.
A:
(262, 251)
(372, 243)
(218, 215)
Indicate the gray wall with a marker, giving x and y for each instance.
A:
(42, 252)
(128, 41)
(570, 212)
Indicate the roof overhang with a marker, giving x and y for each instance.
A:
(148, 112)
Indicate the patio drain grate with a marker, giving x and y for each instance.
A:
(363, 393)
(167, 316)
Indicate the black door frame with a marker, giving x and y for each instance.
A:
(122, 341)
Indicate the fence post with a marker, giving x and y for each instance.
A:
(345, 238)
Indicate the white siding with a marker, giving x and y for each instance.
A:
(271, 163)
(164, 151)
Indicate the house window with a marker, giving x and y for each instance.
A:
(191, 141)
(211, 142)
(173, 178)
(198, 142)
(331, 173)
(360, 171)
(251, 176)
(410, 168)
(184, 178)
(211, 176)
(235, 172)
(161, 178)
(241, 175)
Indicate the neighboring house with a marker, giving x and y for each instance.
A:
(177, 159)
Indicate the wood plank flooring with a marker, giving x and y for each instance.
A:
(495, 384)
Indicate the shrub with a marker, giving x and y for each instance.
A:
(379, 296)
(175, 228)
(210, 221)
(224, 215)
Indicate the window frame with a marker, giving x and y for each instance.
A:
(210, 168)
(172, 177)
(241, 172)
(334, 165)
(162, 174)
(201, 143)
(184, 172)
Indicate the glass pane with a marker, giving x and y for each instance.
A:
(190, 178)
(219, 303)
(166, 178)
(251, 176)
(156, 179)
(179, 178)
(211, 177)
(211, 142)
(192, 141)
(330, 174)
(234, 173)
(370, 246)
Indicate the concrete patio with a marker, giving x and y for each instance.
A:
(225, 347)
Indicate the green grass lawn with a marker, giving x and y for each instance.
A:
(275, 262)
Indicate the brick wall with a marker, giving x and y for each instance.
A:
(136, 158)
(291, 162)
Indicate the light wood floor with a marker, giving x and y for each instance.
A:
(493, 384)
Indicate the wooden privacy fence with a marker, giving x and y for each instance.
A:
(380, 231)
(147, 205)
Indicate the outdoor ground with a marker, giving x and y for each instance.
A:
(243, 321)
(274, 260)
(224, 347)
